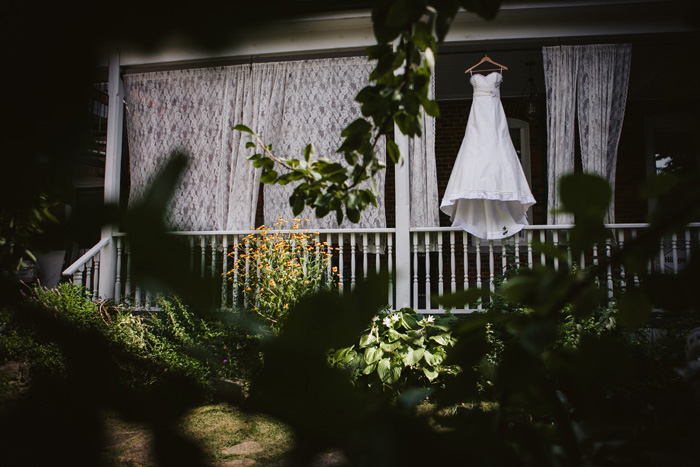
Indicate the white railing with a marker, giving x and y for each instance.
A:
(442, 260)
(448, 260)
(86, 270)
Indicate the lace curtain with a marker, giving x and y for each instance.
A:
(423, 173)
(597, 77)
(602, 94)
(560, 72)
(319, 102)
(194, 110)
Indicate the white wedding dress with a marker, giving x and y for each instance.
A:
(488, 194)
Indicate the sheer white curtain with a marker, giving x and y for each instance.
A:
(602, 94)
(319, 102)
(591, 80)
(423, 173)
(194, 110)
(560, 74)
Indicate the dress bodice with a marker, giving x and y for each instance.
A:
(487, 85)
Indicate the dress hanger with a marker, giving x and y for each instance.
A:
(487, 59)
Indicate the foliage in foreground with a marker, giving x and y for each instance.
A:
(170, 340)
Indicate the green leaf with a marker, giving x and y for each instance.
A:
(373, 355)
(386, 347)
(442, 339)
(369, 369)
(462, 298)
(268, 177)
(413, 356)
(433, 359)
(393, 151)
(430, 373)
(244, 129)
(408, 321)
(634, 308)
(367, 339)
(308, 151)
(250, 144)
(388, 373)
(353, 215)
(393, 335)
(358, 126)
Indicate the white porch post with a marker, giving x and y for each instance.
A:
(403, 222)
(113, 156)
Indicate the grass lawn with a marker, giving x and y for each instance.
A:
(218, 428)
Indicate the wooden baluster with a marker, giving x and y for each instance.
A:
(415, 270)
(517, 250)
(390, 265)
(329, 258)
(427, 271)
(192, 257)
(127, 290)
(224, 271)
(352, 261)
(492, 260)
(202, 255)
(543, 239)
(555, 241)
(662, 257)
(89, 269)
(453, 269)
(609, 269)
(214, 244)
(595, 262)
(478, 266)
(504, 259)
(530, 263)
(118, 275)
(364, 255)
(674, 252)
(465, 253)
(440, 265)
(621, 246)
(78, 276)
(341, 263)
(687, 247)
(236, 290)
(377, 256)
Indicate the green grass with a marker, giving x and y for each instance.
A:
(216, 428)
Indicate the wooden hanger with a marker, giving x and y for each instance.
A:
(487, 59)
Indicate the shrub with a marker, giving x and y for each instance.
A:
(401, 349)
(144, 345)
(276, 269)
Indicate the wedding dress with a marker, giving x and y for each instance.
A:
(487, 194)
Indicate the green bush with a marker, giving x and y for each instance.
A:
(145, 345)
(399, 350)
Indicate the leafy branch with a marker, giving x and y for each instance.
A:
(407, 33)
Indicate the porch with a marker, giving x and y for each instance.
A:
(422, 263)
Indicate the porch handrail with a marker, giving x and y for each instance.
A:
(639, 225)
(80, 262)
(253, 231)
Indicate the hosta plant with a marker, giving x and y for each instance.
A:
(275, 268)
(400, 349)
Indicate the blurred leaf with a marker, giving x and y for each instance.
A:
(243, 128)
(634, 308)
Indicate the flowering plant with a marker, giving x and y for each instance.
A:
(275, 268)
(400, 349)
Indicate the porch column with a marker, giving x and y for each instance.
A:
(403, 222)
(113, 156)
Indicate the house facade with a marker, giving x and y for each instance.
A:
(409, 236)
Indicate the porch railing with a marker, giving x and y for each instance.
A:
(442, 260)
